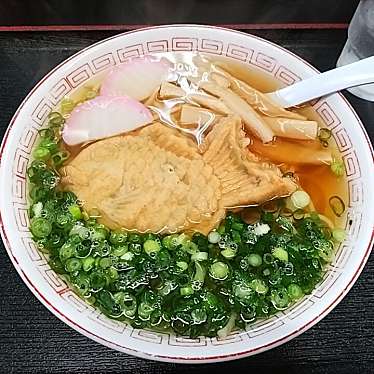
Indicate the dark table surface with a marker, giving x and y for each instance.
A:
(140, 12)
(32, 340)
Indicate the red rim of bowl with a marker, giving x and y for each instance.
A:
(217, 358)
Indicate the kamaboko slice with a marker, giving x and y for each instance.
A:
(103, 117)
(137, 78)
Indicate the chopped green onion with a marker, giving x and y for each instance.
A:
(63, 220)
(181, 239)
(237, 226)
(166, 288)
(37, 166)
(48, 144)
(199, 256)
(106, 301)
(221, 229)
(324, 134)
(337, 205)
(325, 250)
(280, 254)
(59, 158)
(339, 235)
(97, 281)
(254, 260)
(127, 303)
(219, 270)
(46, 133)
(242, 290)
(199, 316)
(81, 231)
(279, 299)
(225, 331)
(56, 265)
(75, 211)
(259, 286)
(190, 247)
(288, 268)
(118, 237)
(294, 291)
(298, 214)
(137, 249)
(182, 265)
(151, 246)
(186, 291)
(88, 263)
(261, 229)
(236, 236)
(268, 258)
(135, 238)
(337, 167)
(120, 251)
(85, 216)
(300, 199)
(82, 250)
(67, 251)
(105, 262)
(67, 105)
(285, 212)
(82, 284)
(99, 233)
(200, 273)
(167, 242)
(214, 237)
(112, 273)
(248, 313)
(267, 217)
(228, 253)
(40, 227)
(55, 119)
(37, 209)
(73, 265)
(128, 256)
(41, 153)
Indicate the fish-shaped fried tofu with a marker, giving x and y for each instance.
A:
(155, 180)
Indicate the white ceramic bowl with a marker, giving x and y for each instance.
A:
(335, 113)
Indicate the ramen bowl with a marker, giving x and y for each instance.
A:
(334, 112)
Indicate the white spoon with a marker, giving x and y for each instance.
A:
(356, 74)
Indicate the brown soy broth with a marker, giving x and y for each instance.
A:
(317, 180)
(249, 74)
(321, 184)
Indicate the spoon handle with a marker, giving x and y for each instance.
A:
(355, 74)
